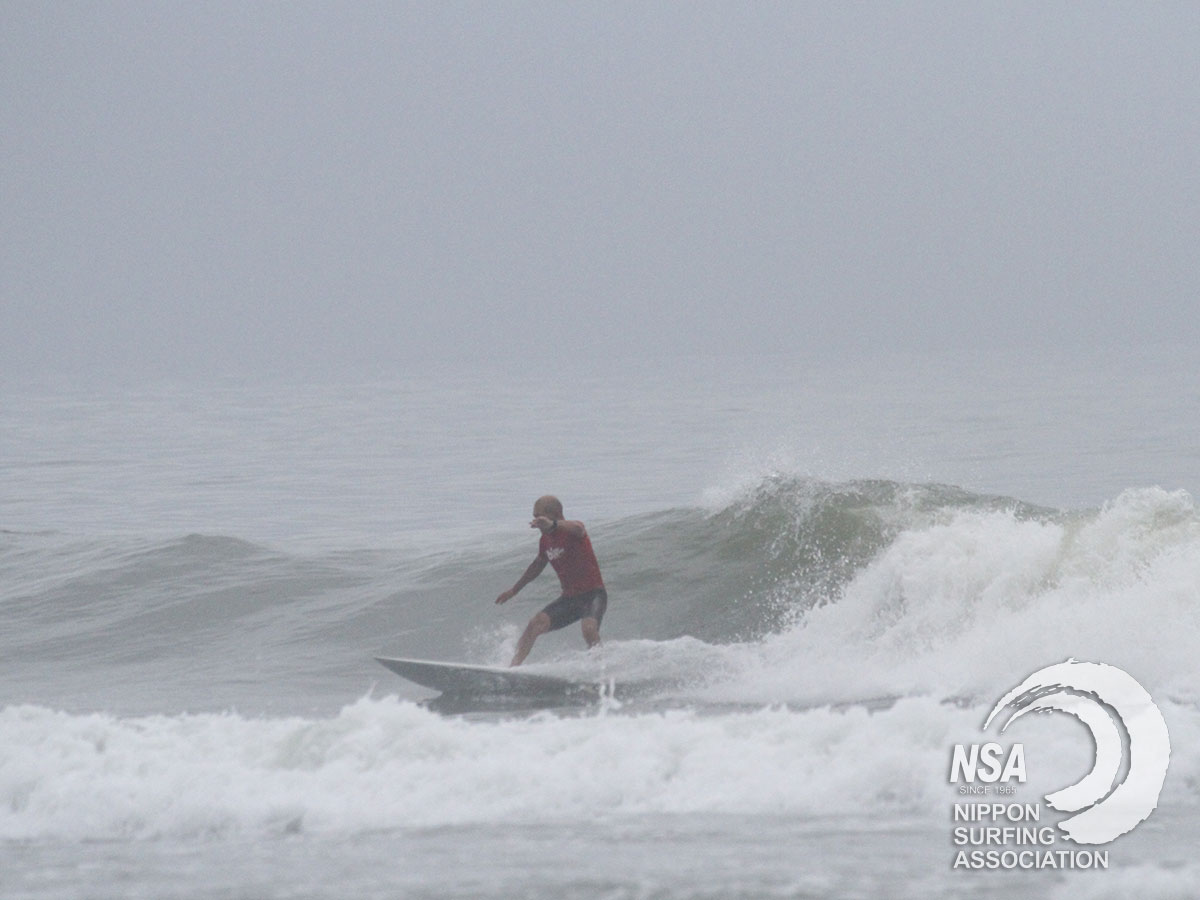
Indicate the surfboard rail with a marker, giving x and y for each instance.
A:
(467, 679)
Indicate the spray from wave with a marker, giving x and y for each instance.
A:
(965, 594)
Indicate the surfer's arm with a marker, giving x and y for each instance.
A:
(534, 570)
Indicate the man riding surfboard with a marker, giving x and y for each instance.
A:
(565, 545)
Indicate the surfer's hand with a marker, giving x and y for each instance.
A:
(506, 596)
(542, 522)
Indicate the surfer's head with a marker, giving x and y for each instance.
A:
(548, 506)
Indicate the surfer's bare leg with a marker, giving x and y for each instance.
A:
(537, 626)
(591, 632)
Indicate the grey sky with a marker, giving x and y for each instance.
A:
(210, 187)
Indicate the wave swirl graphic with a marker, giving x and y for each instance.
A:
(1084, 690)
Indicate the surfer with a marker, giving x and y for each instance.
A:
(566, 546)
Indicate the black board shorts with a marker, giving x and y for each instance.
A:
(588, 605)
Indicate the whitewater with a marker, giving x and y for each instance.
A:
(821, 579)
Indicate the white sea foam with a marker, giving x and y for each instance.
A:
(386, 763)
(383, 763)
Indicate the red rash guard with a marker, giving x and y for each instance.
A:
(574, 561)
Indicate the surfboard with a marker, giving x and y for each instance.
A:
(470, 680)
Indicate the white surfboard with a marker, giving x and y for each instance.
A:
(468, 680)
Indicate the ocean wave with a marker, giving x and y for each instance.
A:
(749, 566)
(790, 591)
(959, 603)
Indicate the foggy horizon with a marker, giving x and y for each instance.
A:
(308, 188)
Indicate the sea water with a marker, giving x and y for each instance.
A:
(822, 576)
